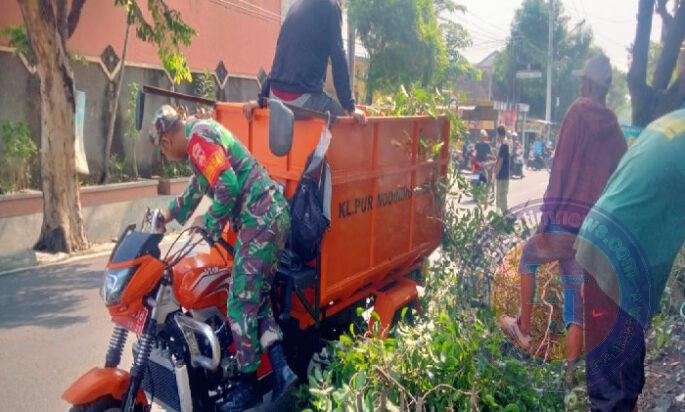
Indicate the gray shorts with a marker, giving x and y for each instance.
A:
(321, 102)
(557, 245)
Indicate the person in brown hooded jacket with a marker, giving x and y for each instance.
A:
(591, 144)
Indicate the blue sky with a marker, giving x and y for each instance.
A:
(612, 21)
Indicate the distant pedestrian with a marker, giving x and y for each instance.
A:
(466, 150)
(502, 169)
(591, 144)
(483, 148)
(484, 162)
(516, 158)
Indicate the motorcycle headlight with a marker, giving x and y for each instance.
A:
(115, 283)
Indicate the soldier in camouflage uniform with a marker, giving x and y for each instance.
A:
(243, 194)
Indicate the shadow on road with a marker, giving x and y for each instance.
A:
(46, 298)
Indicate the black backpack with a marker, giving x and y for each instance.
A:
(308, 222)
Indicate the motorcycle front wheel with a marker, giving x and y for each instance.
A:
(103, 404)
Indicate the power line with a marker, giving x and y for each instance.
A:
(480, 29)
(245, 10)
(475, 30)
(266, 11)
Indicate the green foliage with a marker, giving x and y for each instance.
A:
(404, 42)
(17, 142)
(17, 151)
(166, 30)
(527, 45)
(131, 131)
(447, 5)
(177, 169)
(419, 101)
(132, 134)
(206, 85)
(17, 38)
(119, 171)
(457, 38)
(452, 358)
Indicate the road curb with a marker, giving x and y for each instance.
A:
(47, 260)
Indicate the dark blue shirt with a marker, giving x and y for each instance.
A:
(311, 33)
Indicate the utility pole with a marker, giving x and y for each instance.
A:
(550, 57)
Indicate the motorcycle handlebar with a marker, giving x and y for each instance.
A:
(213, 243)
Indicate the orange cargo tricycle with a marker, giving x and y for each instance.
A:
(385, 220)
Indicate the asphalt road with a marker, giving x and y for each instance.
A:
(54, 327)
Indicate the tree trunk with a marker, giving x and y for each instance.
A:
(673, 40)
(662, 96)
(115, 106)
(642, 96)
(62, 228)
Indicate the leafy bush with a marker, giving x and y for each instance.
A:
(17, 38)
(419, 101)
(132, 134)
(177, 169)
(119, 171)
(206, 85)
(454, 357)
(18, 152)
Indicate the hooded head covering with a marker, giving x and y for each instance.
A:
(598, 71)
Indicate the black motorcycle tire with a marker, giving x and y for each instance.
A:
(103, 404)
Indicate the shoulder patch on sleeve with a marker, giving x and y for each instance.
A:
(209, 158)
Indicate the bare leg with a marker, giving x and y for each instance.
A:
(574, 343)
(527, 296)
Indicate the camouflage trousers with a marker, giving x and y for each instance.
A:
(253, 325)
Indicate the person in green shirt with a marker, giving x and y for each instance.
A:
(243, 194)
(628, 243)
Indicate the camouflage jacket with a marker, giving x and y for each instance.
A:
(223, 169)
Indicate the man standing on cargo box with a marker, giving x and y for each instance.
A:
(243, 193)
(311, 33)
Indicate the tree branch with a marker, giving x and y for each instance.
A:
(637, 76)
(675, 33)
(62, 17)
(673, 98)
(663, 11)
(74, 15)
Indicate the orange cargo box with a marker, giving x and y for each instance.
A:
(386, 212)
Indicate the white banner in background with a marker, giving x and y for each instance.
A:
(79, 121)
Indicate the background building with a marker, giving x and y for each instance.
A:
(235, 39)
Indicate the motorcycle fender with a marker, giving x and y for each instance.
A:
(99, 382)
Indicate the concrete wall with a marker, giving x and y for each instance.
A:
(242, 34)
(16, 80)
(103, 224)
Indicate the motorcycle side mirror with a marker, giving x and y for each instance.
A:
(140, 109)
(281, 121)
